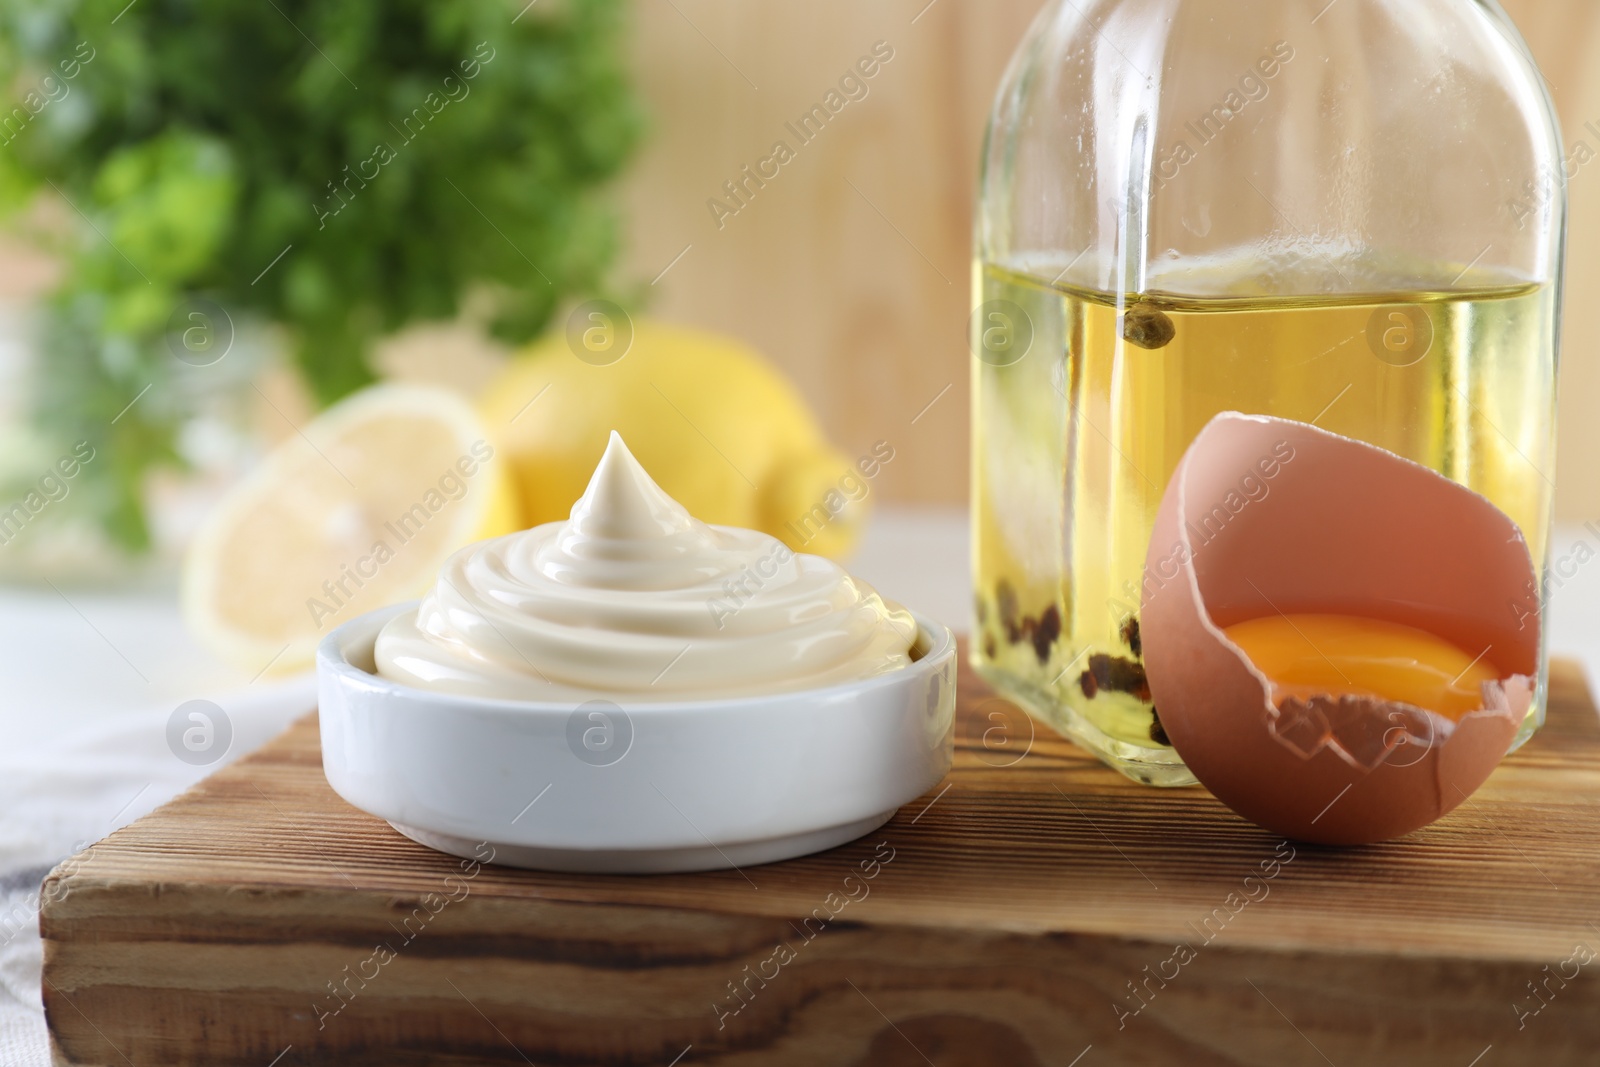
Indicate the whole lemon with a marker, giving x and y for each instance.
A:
(710, 419)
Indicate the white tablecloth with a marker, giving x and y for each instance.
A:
(91, 680)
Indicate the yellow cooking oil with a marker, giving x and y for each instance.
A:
(1084, 403)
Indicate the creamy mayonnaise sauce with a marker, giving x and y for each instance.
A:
(633, 597)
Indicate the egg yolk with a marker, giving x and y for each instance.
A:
(1308, 655)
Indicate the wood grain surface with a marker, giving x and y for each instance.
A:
(1005, 918)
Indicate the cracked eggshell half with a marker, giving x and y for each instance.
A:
(1268, 515)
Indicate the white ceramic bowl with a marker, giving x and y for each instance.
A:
(640, 788)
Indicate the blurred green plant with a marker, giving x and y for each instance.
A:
(396, 154)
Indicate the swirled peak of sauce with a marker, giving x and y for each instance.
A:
(632, 597)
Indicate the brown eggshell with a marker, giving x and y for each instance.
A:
(1268, 515)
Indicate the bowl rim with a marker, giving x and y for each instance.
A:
(333, 663)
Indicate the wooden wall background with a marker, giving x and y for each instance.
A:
(851, 268)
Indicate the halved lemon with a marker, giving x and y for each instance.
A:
(359, 509)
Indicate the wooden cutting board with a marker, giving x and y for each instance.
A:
(1035, 909)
